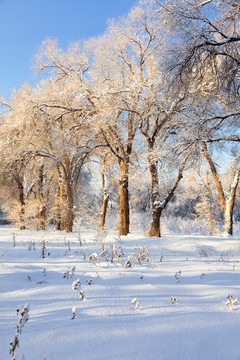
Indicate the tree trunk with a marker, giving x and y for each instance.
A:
(57, 211)
(42, 214)
(105, 201)
(228, 219)
(66, 205)
(64, 214)
(22, 207)
(215, 177)
(124, 221)
(21, 198)
(155, 229)
(228, 213)
(227, 205)
(67, 195)
(156, 206)
(69, 204)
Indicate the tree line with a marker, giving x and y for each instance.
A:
(156, 97)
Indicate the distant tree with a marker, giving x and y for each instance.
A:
(44, 128)
(20, 175)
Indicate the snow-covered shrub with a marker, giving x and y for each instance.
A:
(14, 343)
(161, 256)
(114, 254)
(23, 316)
(177, 276)
(135, 303)
(44, 249)
(32, 246)
(128, 264)
(104, 254)
(73, 313)
(93, 257)
(76, 285)
(230, 302)
(66, 275)
(140, 255)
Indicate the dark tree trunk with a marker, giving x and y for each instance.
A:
(57, 211)
(103, 212)
(228, 213)
(66, 195)
(156, 206)
(69, 204)
(22, 207)
(42, 214)
(124, 220)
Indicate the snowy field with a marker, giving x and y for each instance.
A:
(197, 272)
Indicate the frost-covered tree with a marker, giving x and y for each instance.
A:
(45, 128)
(161, 125)
(123, 60)
(203, 59)
(22, 177)
(205, 41)
(227, 199)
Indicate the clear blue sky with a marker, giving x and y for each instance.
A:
(24, 24)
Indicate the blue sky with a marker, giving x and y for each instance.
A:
(24, 24)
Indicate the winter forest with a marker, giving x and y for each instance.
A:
(142, 120)
(119, 192)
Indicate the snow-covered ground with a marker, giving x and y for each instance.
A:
(198, 272)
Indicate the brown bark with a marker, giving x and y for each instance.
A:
(105, 201)
(228, 214)
(64, 214)
(157, 206)
(227, 204)
(57, 211)
(58, 202)
(67, 196)
(124, 221)
(215, 176)
(42, 214)
(21, 198)
(69, 203)
(22, 206)
(154, 230)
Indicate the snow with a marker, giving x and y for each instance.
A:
(181, 294)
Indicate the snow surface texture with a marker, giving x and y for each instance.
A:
(172, 307)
